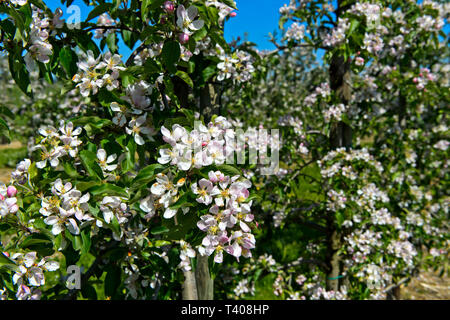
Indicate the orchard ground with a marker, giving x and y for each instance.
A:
(427, 286)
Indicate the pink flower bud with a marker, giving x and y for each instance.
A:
(233, 14)
(2, 197)
(169, 6)
(11, 191)
(415, 80)
(204, 144)
(184, 38)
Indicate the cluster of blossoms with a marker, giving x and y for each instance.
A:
(20, 175)
(278, 218)
(30, 273)
(318, 292)
(336, 200)
(238, 66)
(113, 207)
(244, 287)
(295, 32)
(424, 77)
(186, 21)
(337, 36)
(311, 288)
(103, 21)
(297, 125)
(207, 143)
(429, 24)
(404, 250)
(369, 10)
(138, 126)
(66, 207)
(224, 10)
(8, 200)
(295, 122)
(230, 209)
(58, 143)
(442, 145)
(186, 252)
(323, 91)
(214, 144)
(335, 112)
(349, 156)
(376, 277)
(164, 193)
(95, 74)
(40, 49)
(373, 43)
(286, 9)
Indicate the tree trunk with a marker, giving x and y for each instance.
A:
(340, 136)
(189, 286)
(333, 261)
(205, 284)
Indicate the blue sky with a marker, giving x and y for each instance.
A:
(256, 17)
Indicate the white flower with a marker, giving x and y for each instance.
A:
(105, 162)
(19, 2)
(186, 21)
(136, 128)
(204, 189)
(119, 118)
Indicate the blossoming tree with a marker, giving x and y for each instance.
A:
(125, 186)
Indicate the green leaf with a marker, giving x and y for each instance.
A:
(93, 121)
(108, 189)
(144, 11)
(353, 25)
(86, 237)
(171, 54)
(5, 260)
(229, 3)
(112, 280)
(183, 201)
(70, 170)
(40, 243)
(34, 240)
(68, 60)
(208, 72)
(185, 77)
(145, 175)
(4, 110)
(159, 230)
(89, 161)
(4, 130)
(111, 41)
(20, 73)
(228, 170)
(77, 242)
(98, 10)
